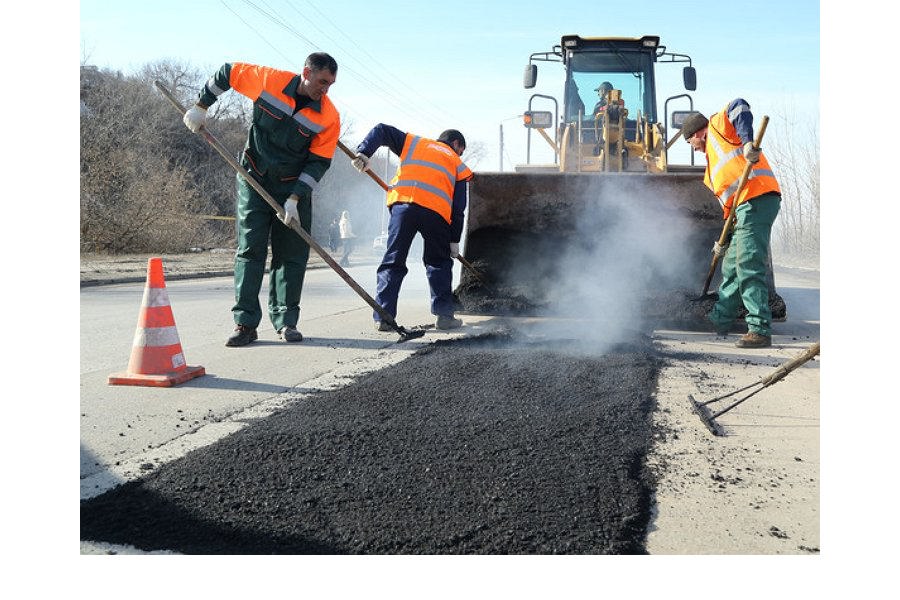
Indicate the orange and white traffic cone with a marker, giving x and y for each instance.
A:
(156, 355)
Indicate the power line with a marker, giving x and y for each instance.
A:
(249, 26)
(440, 111)
(271, 16)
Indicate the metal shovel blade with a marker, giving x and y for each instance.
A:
(409, 334)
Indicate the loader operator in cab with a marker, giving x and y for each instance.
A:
(604, 89)
(726, 138)
(428, 195)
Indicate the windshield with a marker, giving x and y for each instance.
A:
(630, 72)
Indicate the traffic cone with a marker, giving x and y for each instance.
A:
(156, 355)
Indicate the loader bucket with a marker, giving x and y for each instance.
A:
(607, 244)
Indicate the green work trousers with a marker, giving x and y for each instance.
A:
(256, 223)
(745, 266)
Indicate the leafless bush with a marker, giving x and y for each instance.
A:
(146, 182)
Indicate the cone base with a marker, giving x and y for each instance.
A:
(163, 380)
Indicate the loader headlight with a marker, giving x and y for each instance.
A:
(538, 119)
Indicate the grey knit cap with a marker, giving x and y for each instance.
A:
(692, 124)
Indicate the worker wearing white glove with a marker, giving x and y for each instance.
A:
(719, 249)
(290, 210)
(454, 249)
(361, 163)
(751, 153)
(195, 117)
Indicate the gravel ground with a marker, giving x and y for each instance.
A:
(474, 447)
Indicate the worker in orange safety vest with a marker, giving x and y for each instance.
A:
(727, 140)
(289, 148)
(428, 195)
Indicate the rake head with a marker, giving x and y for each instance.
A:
(701, 411)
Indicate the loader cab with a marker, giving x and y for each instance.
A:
(627, 63)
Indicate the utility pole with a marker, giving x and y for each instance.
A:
(501, 147)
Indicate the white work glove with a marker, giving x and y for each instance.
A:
(195, 118)
(290, 211)
(361, 162)
(719, 249)
(751, 153)
(454, 249)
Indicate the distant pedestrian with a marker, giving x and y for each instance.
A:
(334, 235)
(347, 238)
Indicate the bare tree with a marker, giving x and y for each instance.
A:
(476, 151)
(795, 157)
(138, 171)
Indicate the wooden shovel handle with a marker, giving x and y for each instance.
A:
(729, 222)
(369, 172)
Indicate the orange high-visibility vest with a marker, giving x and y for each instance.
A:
(427, 175)
(270, 86)
(725, 164)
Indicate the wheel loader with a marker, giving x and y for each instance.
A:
(611, 228)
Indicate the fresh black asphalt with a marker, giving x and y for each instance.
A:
(487, 445)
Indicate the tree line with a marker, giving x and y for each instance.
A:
(147, 184)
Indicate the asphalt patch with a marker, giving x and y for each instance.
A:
(489, 445)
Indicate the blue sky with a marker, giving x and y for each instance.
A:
(425, 67)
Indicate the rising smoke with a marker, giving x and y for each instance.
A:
(615, 271)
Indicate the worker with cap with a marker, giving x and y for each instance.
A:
(291, 142)
(428, 195)
(727, 140)
(602, 90)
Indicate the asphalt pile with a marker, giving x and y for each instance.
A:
(488, 445)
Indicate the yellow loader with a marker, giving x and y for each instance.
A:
(610, 228)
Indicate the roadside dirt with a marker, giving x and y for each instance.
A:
(99, 269)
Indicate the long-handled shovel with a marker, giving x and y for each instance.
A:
(709, 418)
(405, 334)
(729, 222)
(475, 272)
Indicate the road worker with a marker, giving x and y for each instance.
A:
(428, 195)
(289, 148)
(727, 140)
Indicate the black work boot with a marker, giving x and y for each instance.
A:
(448, 322)
(290, 334)
(382, 326)
(754, 340)
(242, 336)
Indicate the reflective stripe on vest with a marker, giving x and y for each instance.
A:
(725, 165)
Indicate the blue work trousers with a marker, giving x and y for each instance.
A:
(406, 221)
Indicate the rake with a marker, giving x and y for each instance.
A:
(709, 418)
